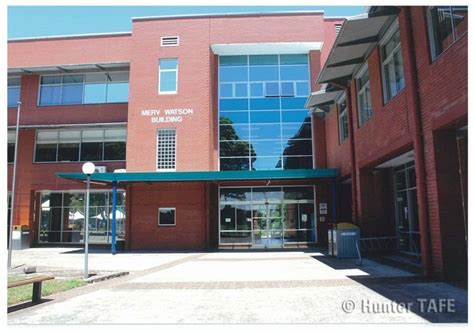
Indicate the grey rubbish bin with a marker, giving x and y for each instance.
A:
(343, 241)
(20, 238)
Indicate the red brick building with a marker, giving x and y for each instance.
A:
(395, 111)
(173, 102)
(208, 117)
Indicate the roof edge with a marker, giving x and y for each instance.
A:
(243, 14)
(92, 35)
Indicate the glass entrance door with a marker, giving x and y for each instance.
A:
(267, 226)
(267, 217)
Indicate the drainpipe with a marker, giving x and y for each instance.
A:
(347, 90)
(353, 160)
(413, 104)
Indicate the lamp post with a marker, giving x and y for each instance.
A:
(12, 212)
(88, 168)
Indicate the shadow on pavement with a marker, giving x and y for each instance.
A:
(24, 305)
(435, 301)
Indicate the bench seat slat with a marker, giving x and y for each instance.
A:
(31, 280)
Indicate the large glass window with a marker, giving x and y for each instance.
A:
(168, 76)
(363, 97)
(446, 25)
(11, 146)
(62, 216)
(267, 216)
(343, 122)
(13, 91)
(262, 120)
(90, 88)
(392, 63)
(101, 144)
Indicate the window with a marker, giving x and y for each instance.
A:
(446, 25)
(90, 88)
(62, 216)
(392, 63)
(263, 124)
(168, 76)
(167, 216)
(166, 150)
(170, 41)
(338, 27)
(363, 96)
(13, 91)
(80, 145)
(343, 121)
(11, 146)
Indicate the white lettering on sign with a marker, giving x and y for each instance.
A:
(170, 115)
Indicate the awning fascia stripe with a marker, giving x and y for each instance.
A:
(209, 176)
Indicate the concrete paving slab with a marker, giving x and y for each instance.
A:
(244, 287)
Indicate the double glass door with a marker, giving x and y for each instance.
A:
(267, 225)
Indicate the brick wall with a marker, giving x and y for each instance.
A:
(189, 199)
(442, 104)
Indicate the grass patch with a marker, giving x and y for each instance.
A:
(24, 293)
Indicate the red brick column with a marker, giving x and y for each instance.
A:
(414, 111)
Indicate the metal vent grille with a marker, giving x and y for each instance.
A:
(170, 41)
(338, 28)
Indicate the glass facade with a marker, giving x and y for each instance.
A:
(63, 213)
(263, 124)
(267, 216)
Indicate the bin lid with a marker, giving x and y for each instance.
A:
(347, 226)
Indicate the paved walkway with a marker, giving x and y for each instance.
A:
(240, 287)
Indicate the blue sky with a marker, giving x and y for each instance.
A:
(34, 21)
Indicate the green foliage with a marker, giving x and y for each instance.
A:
(24, 293)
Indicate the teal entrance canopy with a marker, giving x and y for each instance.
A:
(131, 177)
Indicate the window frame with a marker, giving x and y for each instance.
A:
(175, 150)
(56, 161)
(394, 27)
(431, 33)
(361, 90)
(342, 114)
(38, 101)
(19, 90)
(168, 70)
(174, 216)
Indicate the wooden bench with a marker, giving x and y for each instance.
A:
(37, 284)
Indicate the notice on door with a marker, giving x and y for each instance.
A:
(323, 208)
(169, 115)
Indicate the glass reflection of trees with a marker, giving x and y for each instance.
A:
(232, 146)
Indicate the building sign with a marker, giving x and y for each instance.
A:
(323, 208)
(169, 115)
